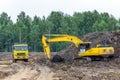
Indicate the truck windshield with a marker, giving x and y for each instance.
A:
(20, 48)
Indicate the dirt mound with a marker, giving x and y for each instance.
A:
(110, 38)
(105, 38)
(84, 70)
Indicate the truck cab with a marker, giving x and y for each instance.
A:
(20, 52)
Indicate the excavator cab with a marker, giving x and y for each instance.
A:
(83, 47)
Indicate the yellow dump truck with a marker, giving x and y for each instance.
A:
(20, 52)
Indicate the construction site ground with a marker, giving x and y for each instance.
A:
(39, 68)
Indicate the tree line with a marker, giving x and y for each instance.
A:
(30, 31)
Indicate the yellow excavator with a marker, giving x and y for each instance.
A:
(84, 48)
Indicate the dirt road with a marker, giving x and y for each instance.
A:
(31, 72)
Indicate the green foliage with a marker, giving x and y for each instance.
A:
(30, 31)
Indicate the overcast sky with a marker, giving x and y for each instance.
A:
(44, 7)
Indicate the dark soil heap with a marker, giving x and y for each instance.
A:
(74, 69)
(105, 38)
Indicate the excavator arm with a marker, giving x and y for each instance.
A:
(58, 38)
(46, 47)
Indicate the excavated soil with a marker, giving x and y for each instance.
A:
(25, 70)
(40, 68)
(105, 38)
(81, 69)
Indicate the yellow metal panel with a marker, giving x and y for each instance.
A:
(16, 56)
(97, 52)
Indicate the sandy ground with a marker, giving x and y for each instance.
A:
(32, 74)
(29, 72)
(39, 69)
(24, 70)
